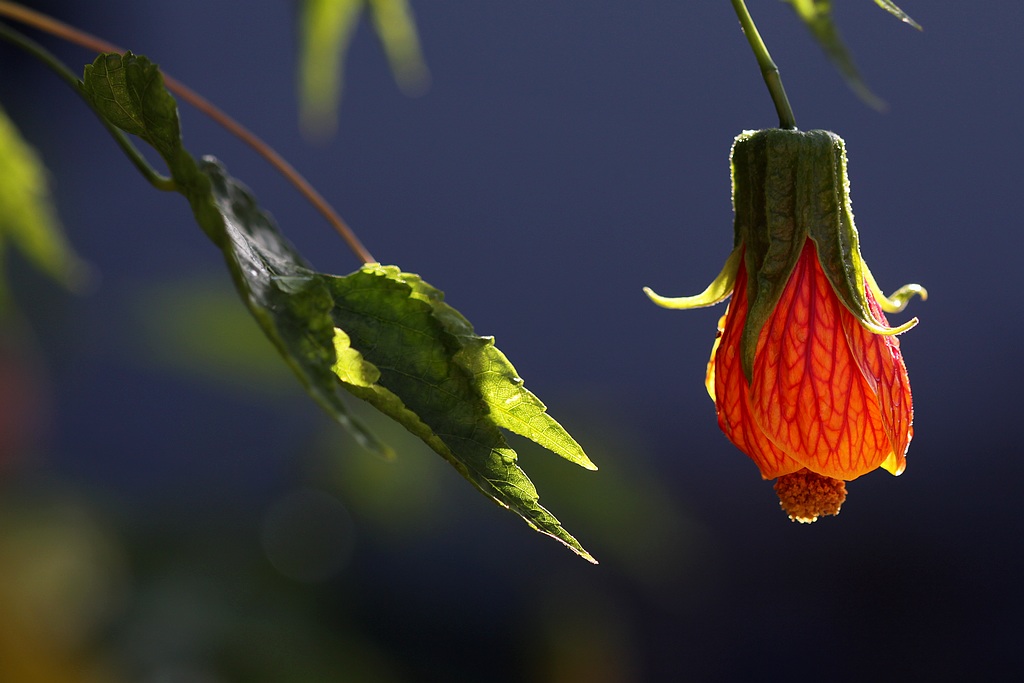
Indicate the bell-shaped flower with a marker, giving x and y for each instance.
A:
(806, 373)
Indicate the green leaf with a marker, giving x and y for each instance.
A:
(288, 299)
(394, 23)
(129, 91)
(280, 289)
(326, 30)
(385, 336)
(27, 217)
(416, 359)
(817, 15)
(892, 9)
(512, 406)
(326, 27)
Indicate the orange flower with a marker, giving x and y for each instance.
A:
(827, 396)
(806, 374)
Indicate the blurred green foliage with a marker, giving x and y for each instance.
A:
(28, 220)
(817, 15)
(326, 31)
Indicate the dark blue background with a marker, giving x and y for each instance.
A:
(567, 154)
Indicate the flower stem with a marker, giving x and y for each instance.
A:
(73, 35)
(769, 70)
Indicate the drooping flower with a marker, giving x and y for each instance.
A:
(806, 373)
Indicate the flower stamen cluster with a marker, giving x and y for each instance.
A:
(805, 496)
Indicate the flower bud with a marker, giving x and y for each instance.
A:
(806, 373)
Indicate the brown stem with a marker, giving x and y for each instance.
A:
(73, 35)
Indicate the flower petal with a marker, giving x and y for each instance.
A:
(817, 380)
(881, 364)
(728, 386)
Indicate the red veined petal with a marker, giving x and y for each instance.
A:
(817, 377)
(881, 364)
(728, 387)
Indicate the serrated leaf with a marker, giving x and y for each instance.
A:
(326, 30)
(385, 336)
(27, 217)
(283, 293)
(417, 360)
(280, 289)
(512, 406)
(129, 91)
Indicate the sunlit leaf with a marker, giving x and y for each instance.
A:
(511, 405)
(386, 336)
(27, 217)
(326, 30)
(416, 359)
(287, 298)
(817, 15)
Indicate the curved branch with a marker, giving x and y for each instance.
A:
(86, 40)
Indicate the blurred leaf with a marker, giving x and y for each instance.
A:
(403, 499)
(892, 9)
(817, 15)
(326, 30)
(27, 216)
(396, 28)
(197, 327)
(288, 646)
(387, 336)
(63, 575)
(631, 495)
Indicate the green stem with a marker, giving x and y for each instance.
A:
(769, 70)
(161, 182)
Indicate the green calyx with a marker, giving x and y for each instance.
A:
(789, 186)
